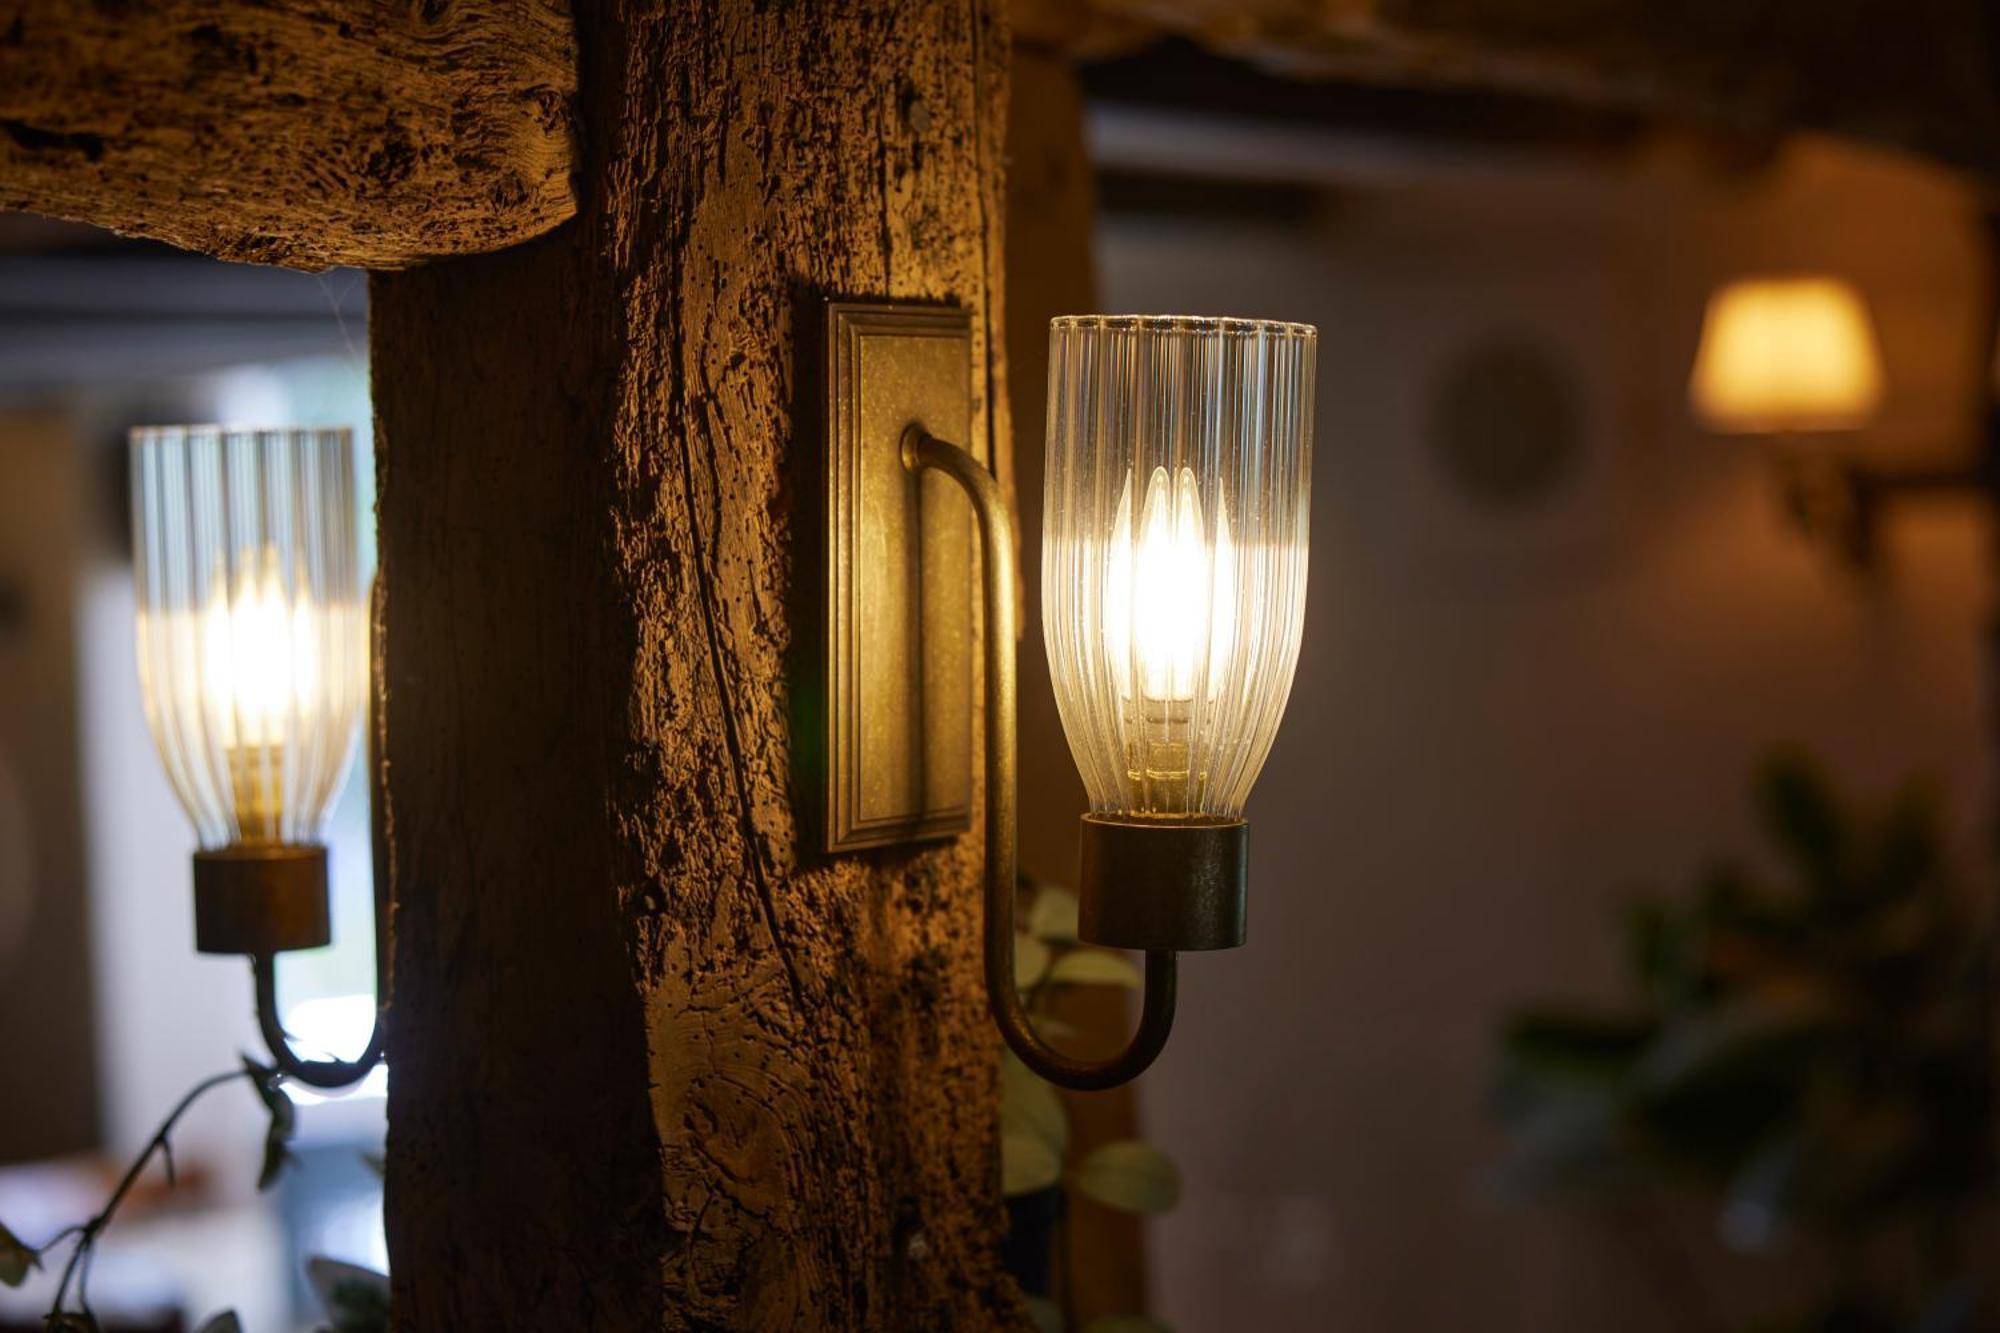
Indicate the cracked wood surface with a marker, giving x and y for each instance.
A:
(379, 133)
(656, 1063)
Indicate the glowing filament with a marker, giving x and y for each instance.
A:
(1169, 596)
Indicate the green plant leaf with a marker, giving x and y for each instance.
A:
(1030, 1106)
(1130, 1175)
(270, 1087)
(277, 1140)
(1031, 960)
(1909, 844)
(1095, 967)
(226, 1322)
(1584, 1049)
(1027, 1164)
(356, 1299)
(16, 1259)
(1045, 1314)
(1126, 1323)
(1805, 818)
(1053, 916)
(276, 1158)
(1662, 946)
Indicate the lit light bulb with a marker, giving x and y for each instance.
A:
(1169, 596)
(1169, 627)
(261, 652)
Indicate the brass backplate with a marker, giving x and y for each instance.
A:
(900, 583)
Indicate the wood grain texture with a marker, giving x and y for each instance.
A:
(378, 134)
(654, 1064)
(1923, 75)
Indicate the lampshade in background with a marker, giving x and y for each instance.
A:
(1174, 563)
(1786, 355)
(251, 628)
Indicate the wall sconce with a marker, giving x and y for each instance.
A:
(1794, 357)
(1787, 356)
(1174, 575)
(253, 643)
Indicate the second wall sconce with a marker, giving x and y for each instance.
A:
(1173, 590)
(1794, 360)
(253, 663)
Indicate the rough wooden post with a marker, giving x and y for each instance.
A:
(654, 1063)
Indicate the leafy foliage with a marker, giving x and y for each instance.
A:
(1814, 1053)
(73, 1287)
(356, 1299)
(1030, 1106)
(1034, 1128)
(1027, 1164)
(1046, 1315)
(1053, 915)
(1130, 1175)
(1094, 967)
(17, 1260)
(283, 1124)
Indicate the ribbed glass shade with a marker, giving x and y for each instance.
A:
(252, 632)
(1174, 551)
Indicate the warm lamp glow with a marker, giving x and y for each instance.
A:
(1174, 565)
(1786, 355)
(1170, 603)
(256, 669)
(250, 624)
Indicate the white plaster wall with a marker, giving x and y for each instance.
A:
(1503, 726)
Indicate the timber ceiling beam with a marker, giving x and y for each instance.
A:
(1921, 75)
(293, 132)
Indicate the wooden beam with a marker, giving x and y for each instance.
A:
(655, 1062)
(292, 132)
(1922, 75)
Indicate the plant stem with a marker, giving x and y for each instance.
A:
(78, 1267)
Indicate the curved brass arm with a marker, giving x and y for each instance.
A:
(264, 969)
(314, 1073)
(923, 450)
(264, 966)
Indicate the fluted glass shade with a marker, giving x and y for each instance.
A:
(251, 626)
(1174, 551)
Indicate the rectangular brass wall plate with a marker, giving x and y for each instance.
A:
(900, 587)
